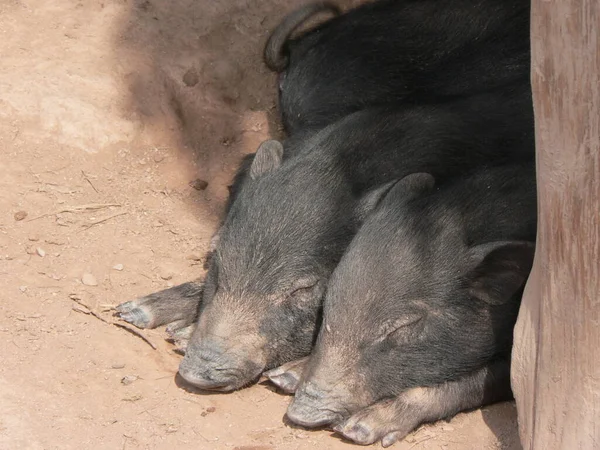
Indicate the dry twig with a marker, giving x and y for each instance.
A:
(88, 207)
(85, 177)
(420, 441)
(87, 226)
(87, 310)
(90, 311)
(135, 332)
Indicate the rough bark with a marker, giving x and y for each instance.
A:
(556, 357)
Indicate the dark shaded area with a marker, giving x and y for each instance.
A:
(195, 75)
(501, 418)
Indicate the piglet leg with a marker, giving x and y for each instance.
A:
(287, 376)
(392, 419)
(177, 306)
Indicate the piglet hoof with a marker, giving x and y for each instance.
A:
(180, 336)
(180, 347)
(177, 306)
(284, 381)
(357, 432)
(132, 313)
(287, 376)
(180, 330)
(391, 438)
(387, 421)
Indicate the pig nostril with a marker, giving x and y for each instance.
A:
(208, 356)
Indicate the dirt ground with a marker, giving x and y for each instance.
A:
(108, 113)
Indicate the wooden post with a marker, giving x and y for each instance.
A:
(556, 356)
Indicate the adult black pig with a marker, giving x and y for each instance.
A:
(419, 313)
(291, 220)
(394, 51)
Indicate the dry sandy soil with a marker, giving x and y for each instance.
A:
(108, 110)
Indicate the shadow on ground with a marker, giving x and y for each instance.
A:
(195, 77)
(502, 421)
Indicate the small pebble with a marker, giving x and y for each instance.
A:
(23, 288)
(157, 223)
(128, 379)
(190, 78)
(199, 184)
(158, 158)
(207, 411)
(89, 280)
(40, 252)
(33, 237)
(194, 257)
(117, 366)
(166, 274)
(20, 215)
(118, 267)
(447, 428)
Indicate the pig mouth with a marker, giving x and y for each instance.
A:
(309, 415)
(207, 383)
(219, 379)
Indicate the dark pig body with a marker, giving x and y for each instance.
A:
(292, 219)
(391, 51)
(419, 313)
(346, 65)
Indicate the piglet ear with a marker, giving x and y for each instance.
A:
(410, 186)
(501, 270)
(268, 157)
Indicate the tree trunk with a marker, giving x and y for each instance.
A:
(556, 356)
